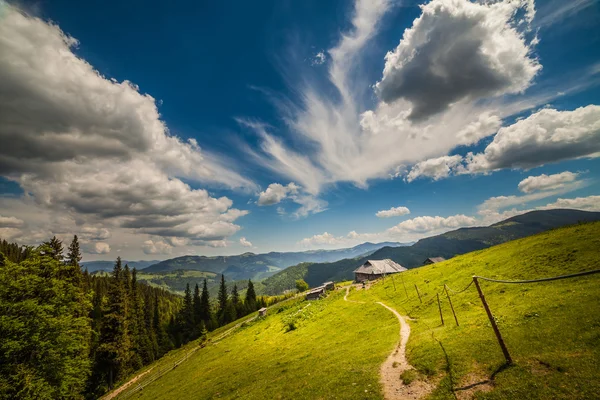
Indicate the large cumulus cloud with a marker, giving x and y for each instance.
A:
(459, 50)
(94, 149)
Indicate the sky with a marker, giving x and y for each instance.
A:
(153, 130)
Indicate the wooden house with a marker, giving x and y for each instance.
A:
(316, 293)
(433, 260)
(329, 285)
(262, 312)
(375, 269)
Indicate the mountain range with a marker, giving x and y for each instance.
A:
(105, 265)
(446, 245)
(259, 266)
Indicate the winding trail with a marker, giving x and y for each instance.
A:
(396, 364)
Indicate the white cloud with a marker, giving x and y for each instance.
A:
(558, 10)
(96, 248)
(95, 150)
(459, 50)
(486, 125)
(547, 182)
(435, 168)
(344, 137)
(589, 203)
(156, 247)
(323, 239)
(544, 137)
(318, 59)
(393, 212)
(275, 193)
(409, 230)
(245, 242)
(429, 224)
(10, 222)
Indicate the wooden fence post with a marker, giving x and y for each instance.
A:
(403, 284)
(440, 307)
(493, 322)
(394, 282)
(418, 294)
(451, 306)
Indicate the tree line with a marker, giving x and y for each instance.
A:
(68, 334)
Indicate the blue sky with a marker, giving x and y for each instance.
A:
(153, 130)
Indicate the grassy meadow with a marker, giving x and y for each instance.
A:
(301, 350)
(552, 329)
(333, 349)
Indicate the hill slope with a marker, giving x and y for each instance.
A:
(446, 245)
(102, 265)
(259, 266)
(337, 347)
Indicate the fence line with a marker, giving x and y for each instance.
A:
(459, 291)
(553, 278)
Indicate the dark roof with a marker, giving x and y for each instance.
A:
(379, 267)
(434, 260)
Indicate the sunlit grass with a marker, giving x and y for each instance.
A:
(551, 329)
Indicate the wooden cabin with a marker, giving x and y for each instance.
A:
(375, 269)
(433, 260)
(329, 286)
(262, 312)
(316, 293)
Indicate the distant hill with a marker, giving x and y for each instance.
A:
(260, 266)
(103, 265)
(446, 245)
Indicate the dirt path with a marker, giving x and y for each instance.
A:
(124, 386)
(346, 296)
(396, 364)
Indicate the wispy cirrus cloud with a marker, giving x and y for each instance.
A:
(347, 138)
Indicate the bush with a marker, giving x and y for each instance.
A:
(301, 285)
(291, 326)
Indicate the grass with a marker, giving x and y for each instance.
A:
(335, 351)
(552, 330)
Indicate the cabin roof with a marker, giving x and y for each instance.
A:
(435, 259)
(386, 266)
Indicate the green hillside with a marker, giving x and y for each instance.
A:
(333, 348)
(446, 245)
(259, 266)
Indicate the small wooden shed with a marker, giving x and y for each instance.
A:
(316, 293)
(433, 260)
(262, 312)
(329, 285)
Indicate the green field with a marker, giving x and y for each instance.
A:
(552, 330)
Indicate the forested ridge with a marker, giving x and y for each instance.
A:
(69, 335)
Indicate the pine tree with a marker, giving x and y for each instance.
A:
(187, 315)
(205, 314)
(115, 344)
(164, 343)
(197, 310)
(139, 338)
(250, 297)
(222, 299)
(72, 268)
(55, 249)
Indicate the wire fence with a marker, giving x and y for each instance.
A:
(475, 281)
